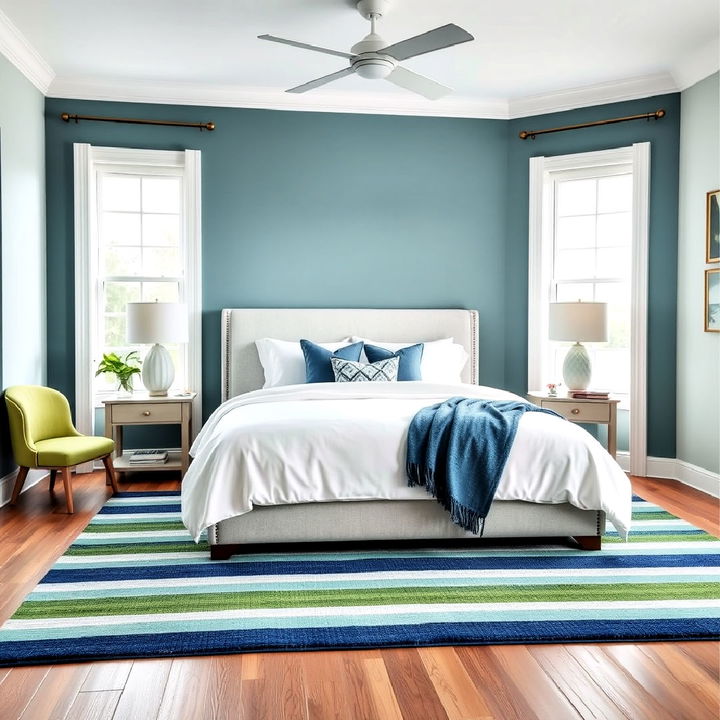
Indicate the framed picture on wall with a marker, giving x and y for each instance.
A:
(712, 242)
(712, 300)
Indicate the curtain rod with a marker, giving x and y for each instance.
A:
(525, 134)
(134, 121)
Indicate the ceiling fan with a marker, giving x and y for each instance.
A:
(374, 59)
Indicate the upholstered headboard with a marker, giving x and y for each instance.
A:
(241, 369)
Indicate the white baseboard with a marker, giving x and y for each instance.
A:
(7, 482)
(685, 472)
(674, 469)
(623, 460)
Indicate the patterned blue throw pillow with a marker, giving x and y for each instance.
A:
(317, 360)
(410, 359)
(349, 371)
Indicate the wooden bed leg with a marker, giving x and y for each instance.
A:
(589, 542)
(223, 552)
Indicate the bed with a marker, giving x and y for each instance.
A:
(213, 497)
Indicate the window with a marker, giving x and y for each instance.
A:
(137, 238)
(139, 258)
(591, 260)
(588, 227)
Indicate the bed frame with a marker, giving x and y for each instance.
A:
(385, 521)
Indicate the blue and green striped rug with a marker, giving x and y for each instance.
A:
(135, 585)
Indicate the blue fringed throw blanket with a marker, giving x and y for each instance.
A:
(457, 450)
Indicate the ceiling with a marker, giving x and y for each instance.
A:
(528, 56)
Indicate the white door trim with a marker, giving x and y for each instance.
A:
(84, 306)
(639, 305)
(193, 269)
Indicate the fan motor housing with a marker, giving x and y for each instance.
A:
(373, 66)
(367, 8)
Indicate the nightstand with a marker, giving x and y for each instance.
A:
(602, 412)
(141, 409)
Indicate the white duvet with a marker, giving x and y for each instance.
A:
(347, 441)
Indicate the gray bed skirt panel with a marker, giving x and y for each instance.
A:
(399, 520)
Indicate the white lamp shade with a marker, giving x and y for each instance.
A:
(157, 322)
(578, 321)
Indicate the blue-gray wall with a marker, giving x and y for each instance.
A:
(663, 135)
(331, 210)
(312, 210)
(22, 233)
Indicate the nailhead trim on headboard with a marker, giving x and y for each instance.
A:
(473, 315)
(227, 327)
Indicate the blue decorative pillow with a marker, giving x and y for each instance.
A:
(349, 371)
(410, 358)
(317, 360)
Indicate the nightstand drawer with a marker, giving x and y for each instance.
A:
(138, 413)
(581, 412)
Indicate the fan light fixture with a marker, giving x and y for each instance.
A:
(374, 68)
(372, 58)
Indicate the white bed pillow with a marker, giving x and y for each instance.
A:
(283, 361)
(442, 361)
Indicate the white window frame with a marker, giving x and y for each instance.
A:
(87, 160)
(540, 273)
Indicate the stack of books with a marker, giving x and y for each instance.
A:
(589, 394)
(148, 457)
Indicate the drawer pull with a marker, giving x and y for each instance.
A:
(146, 413)
(574, 411)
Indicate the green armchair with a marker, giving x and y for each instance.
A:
(43, 436)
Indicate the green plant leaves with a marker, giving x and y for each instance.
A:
(122, 368)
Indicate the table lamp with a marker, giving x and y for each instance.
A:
(155, 323)
(578, 321)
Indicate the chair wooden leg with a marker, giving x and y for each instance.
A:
(53, 474)
(19, 482)
(110, 473)
(67, 482)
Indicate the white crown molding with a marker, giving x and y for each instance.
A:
(272, 99)
(18, 50)
(701, 63)
(600, 94)
(84, 88)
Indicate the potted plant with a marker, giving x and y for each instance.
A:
(123, 368)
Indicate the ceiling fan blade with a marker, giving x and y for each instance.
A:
(417, 83)
(321, 81)
(437, 39)
(305, 46)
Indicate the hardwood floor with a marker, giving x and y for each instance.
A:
(657, 681)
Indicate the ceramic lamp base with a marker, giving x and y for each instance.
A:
(158, 371)
(577, 369)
